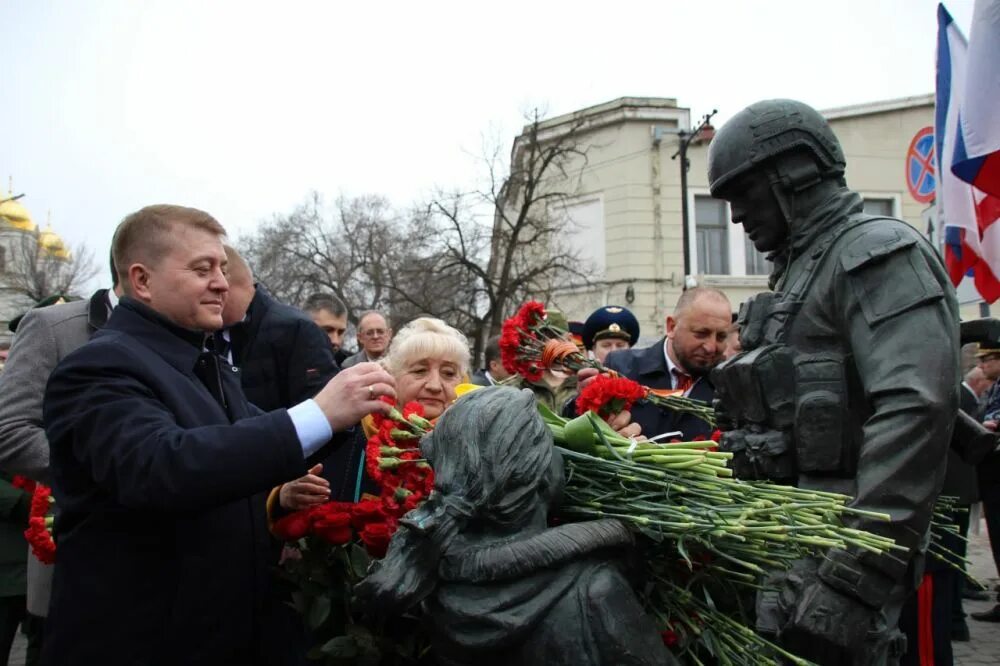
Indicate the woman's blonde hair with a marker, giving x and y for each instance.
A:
(427, 337)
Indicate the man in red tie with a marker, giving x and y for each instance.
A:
(695, 343)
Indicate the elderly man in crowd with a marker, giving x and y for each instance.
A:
(155, 453)
(374, 336)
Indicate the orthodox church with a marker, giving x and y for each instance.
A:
(17, 234)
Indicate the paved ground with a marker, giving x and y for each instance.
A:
(982, 650)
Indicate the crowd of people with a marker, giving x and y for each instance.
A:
(178, 413)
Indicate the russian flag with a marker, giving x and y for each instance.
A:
(976, 159)
(972, 240)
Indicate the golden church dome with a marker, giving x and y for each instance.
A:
(52, 244)
(14, 214)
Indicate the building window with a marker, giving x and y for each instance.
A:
(586, 219)
(711, 235)
(756, 263)
(721, 248)
(879, 206)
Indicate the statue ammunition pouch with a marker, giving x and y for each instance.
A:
(755, 400)
(824, 428)
(784, 411)
(849, 576)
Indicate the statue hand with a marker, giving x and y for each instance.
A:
(821, 613)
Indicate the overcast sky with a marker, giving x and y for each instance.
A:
(242, 108)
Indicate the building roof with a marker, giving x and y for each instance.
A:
(883, 106)
(647, 109)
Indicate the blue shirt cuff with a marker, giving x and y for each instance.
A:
(311, 426)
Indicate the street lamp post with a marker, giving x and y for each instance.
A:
(685, 139)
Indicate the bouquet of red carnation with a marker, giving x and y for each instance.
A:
(334, 544)
(39, 532)
(392, 460)
(607, 395)
(530, 343)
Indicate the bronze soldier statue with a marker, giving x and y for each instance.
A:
(849, 378)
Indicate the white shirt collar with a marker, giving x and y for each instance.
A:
(673, 369)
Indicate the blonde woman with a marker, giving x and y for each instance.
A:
(428, 359)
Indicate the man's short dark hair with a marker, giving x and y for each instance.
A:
(145, 235)
(325, 301)
(114, 271)
(492, 350)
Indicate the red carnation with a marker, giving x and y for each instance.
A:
(413, 501)
(376, 537)
(372, 456)
(510, 343)
(366, 512)
(292, 527)
(670, 638)
(23, 482)
(607, 395)
(40, 540)
(531, 314)
(411, 408)
(334, 528)
(40, 500)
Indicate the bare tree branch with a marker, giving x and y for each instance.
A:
(36, 271)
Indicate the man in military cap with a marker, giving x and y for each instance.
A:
(609, 329)
(988, 359)
(849, 377)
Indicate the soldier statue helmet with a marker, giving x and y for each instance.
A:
(770, 152)
(848, 379)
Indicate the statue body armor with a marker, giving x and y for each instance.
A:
(849, 377)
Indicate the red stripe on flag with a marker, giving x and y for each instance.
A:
(988, 178)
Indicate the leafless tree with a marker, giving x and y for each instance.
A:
(348, 249)
(522, 249)
(466, 257)
(36, 271)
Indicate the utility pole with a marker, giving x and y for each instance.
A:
(686, 138)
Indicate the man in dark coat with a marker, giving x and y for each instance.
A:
(494, 372)
(155, 452)
(680, 361)
(284, 358)
(329, 313)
